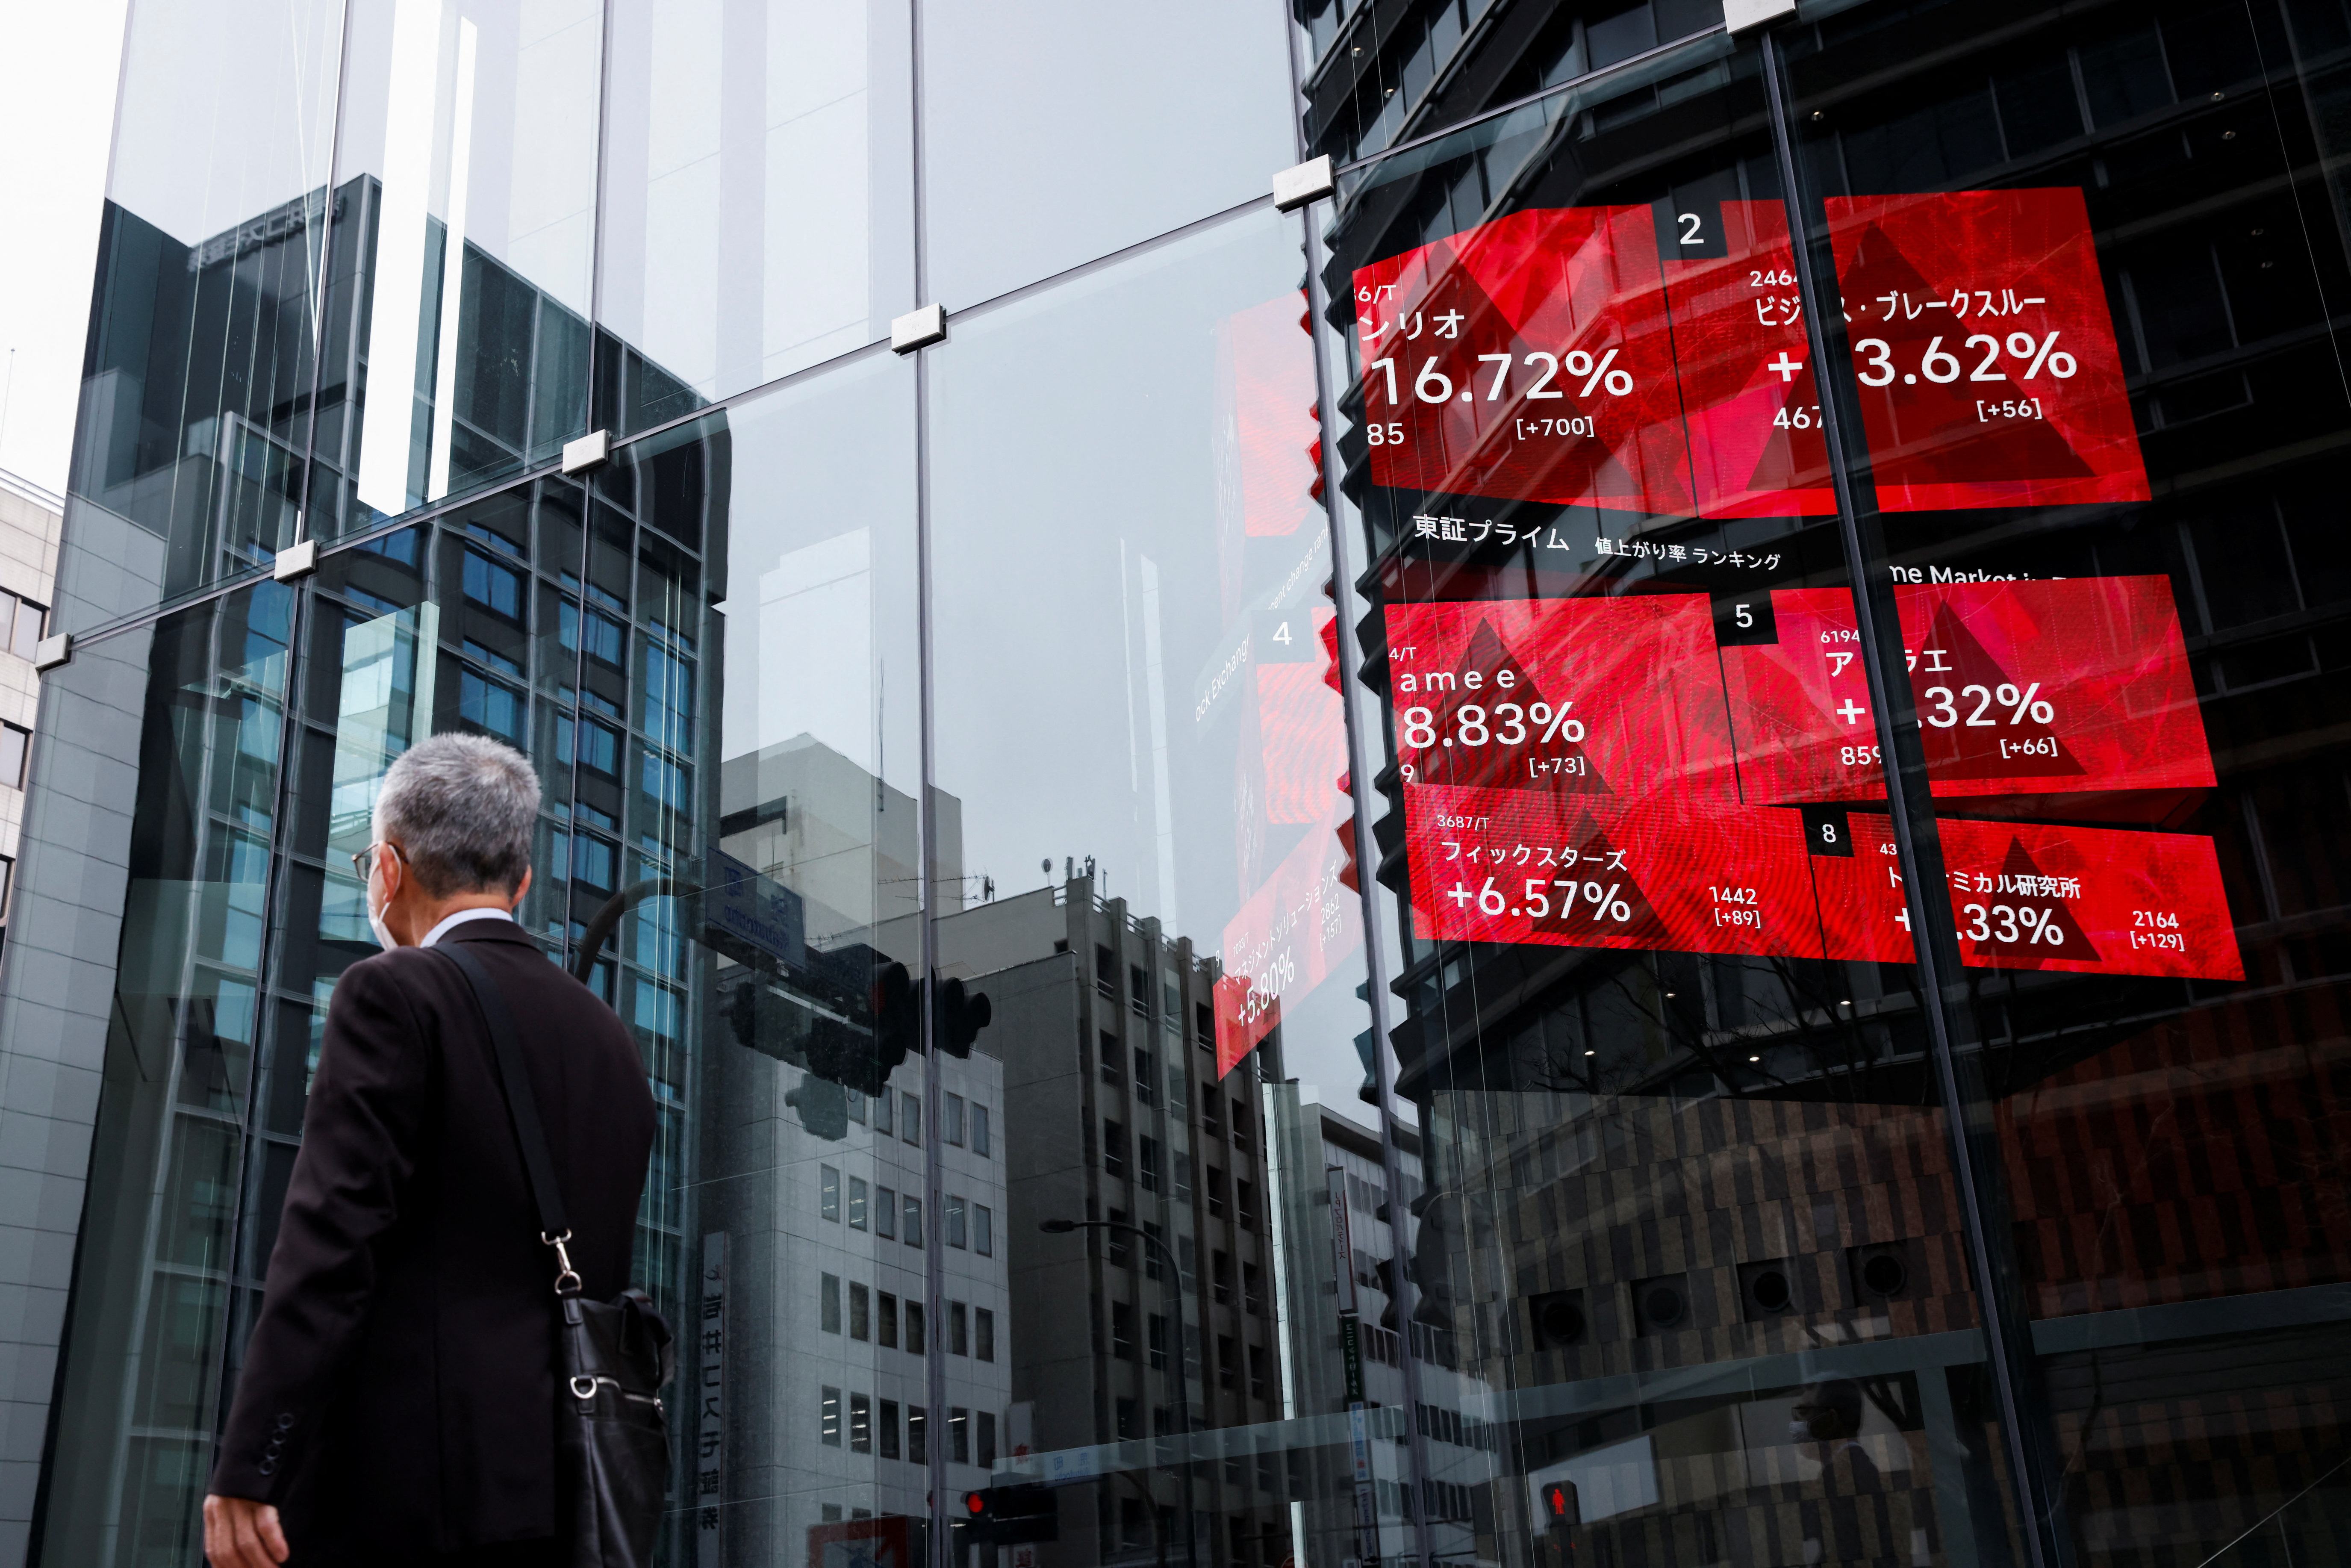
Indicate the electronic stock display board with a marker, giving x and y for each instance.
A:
(1643, 772)
(1579, 356)
(1697, 771)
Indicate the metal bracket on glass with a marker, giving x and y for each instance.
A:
(1303, 182)
(591, 451)
(1740, 14)
(296, 561)
(918, 328)
(51, 652)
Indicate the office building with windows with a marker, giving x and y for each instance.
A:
(29, 519)
(1605, 734)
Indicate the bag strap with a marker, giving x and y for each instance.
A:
(522, 1110)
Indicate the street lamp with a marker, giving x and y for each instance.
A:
(1183, 1381)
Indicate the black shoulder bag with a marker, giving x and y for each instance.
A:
(612, 1439)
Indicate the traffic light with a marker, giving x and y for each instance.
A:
(1010, 1515)
(962, 1014)
(1559, 1505)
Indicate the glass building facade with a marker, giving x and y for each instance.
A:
(1692, 901)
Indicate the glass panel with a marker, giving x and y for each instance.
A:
(750, 611)
(463, 262)
(1669, 1265)
(1137, 697)
(2088, 270)
(759, 194)
(1379, 76)
(139, 1398)
(1022, 176)
(203, 342)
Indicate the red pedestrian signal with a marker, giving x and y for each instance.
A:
(1010, 1515)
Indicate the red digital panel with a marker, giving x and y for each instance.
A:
(1551, 356)
(2091, 900)
(1799, 706)
(1568, 871)
(2072, 686)
(1985, 353)
(2052, 687)
(1863, 917)
(1529, 358)
(1575, 697)
(1741, 355)
(1625, 772)
(1492, 865)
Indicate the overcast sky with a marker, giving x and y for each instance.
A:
(56, 114)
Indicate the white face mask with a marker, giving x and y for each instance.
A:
(375, 921)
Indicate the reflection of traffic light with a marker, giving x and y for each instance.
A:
(851, 1017)
(897, 1031)
(1560, 1516)
(1010, 1515)
(862, 1051)
(962, 1014)
(741, 1010)
(823, 1106)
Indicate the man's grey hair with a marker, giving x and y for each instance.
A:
(463, 808)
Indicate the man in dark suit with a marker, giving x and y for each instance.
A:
(397, 1401)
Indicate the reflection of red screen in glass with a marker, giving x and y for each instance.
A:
(1985, 351)
(1266, 425)
(2026, 896)
(2069, 686)
(1527, 358)
(1742, 356)
(1285, 939)
(1302, 732)
(1271, 683)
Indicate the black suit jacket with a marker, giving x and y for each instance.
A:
(397, 1396)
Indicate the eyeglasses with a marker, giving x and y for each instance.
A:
(360, 857)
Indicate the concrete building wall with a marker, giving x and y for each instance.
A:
(30, 518)
(59, 962)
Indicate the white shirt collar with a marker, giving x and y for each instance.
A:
(459, 919)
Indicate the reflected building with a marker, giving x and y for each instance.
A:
(1348, 1330)
(1103, 1028)
(813, 1102)
(30, 517)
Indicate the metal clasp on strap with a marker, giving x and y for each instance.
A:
(566, 1279)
